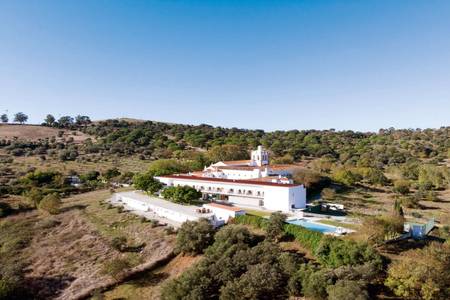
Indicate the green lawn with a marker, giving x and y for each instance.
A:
(259, 213)
(339, 224)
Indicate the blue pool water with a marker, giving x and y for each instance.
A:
(313, 226)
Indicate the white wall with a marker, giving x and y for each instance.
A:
(275, 198)
(244, 201)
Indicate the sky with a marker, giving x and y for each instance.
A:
(272, 65)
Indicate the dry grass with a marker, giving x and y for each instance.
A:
(149, 285)
(36, 132)
(68, 251)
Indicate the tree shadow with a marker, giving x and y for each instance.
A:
(148, 279)
(73, 207)
(47, 287)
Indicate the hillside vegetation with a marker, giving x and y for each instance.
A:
(59, 238)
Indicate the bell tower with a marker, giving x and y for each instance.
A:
(260, 157)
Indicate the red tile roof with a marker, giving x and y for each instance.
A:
(239, 181)
(227, 207)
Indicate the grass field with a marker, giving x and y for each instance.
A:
(66, 253)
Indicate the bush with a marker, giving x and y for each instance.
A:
(194, 236)
(347, 289)
(116, 268)
(402, 187)
(119, 243)
(335, 252)
(51, 203)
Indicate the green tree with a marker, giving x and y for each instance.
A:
(82, 120)
(166, 167)
(346, 177)
(49, 120)
(194, 237)
(146, 182)
(347, 289)
(227, 152)
(261, 281)
(20, 117)
(275, 226)
(181, 194)
(51, 203)
(65, 121)
(422, 273)
(4, 118)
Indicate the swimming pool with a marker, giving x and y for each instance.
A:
(313, 225)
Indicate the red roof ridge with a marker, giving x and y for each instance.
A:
(223, 206)
(241, 181)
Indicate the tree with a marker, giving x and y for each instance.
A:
(181, 194)
(422, 273)
(82, 120)
(4, 118)
(49, 120)
(51, 203)
(227, 152)
(346, 177)
(275, 226)
(20, 117)
(347, 289)
(261, 281)
(146, 182)
(166, 167)
(65, 121)
(194, 236)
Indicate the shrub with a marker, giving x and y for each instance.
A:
(119, 243)
(194, 236)
(335, 252)
(347, 289)
(402, 186)
(51, 203)
(116, 268)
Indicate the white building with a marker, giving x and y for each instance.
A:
(166, 209)
(224, 212)
(250, 183)
(248, 193)
(217, 214)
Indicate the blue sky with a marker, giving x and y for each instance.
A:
(360, 65)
